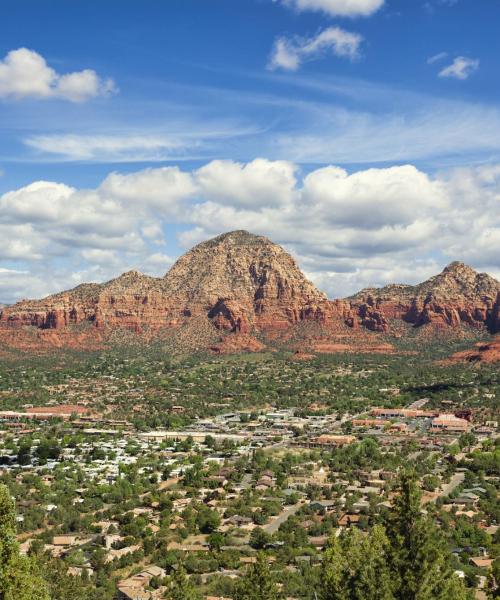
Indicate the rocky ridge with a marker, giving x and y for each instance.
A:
(457, 295)
(246, 285)
(238, 280)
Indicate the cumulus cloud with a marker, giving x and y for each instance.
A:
(461, 68)
(25, 74)
(289, 54)
(375, 197)
(348, 229)
(337, 8)
(259, 183)
(159, 189)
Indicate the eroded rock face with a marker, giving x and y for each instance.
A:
(244, 281)
(458, 295)
(487, 352)
(246, 285)
(240, 281)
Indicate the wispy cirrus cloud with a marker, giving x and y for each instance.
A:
(300, 117)
(194, 140)
(436, 57)
(106, 147)
(290, 53)
(25, 74)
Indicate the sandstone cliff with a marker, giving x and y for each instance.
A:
(238, 280)
(458, 295)
(245, 284)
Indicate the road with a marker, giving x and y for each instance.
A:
(455, 481)
(284, 516)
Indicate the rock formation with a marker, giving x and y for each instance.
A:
(238, 280)
(487, 352)
(458, 295)
(247, 285)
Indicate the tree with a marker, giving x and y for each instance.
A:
(207, 520)
(466, 440)
(19, 577)
(494, 580)
(181, 588)
(24, 454)
(419, 558)
(258, 583)
(259, 538)
(355, 567)
(215, 541)
(406, 560)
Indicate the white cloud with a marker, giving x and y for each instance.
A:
(259, 183)
(338, 8)
(437, 57)
(160, 189)
(106, 147)
(289, 54)
(373, 198)
(25, 74)
(348, 229)
(461, 68)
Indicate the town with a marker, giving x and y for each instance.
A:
(122, 506)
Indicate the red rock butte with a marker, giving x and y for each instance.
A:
(244, 283)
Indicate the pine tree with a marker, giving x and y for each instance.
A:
(408, 561)
(374, 578)
(258, 583)
(494, 580)
(181, 588)
(355, 567)
(19, 577)
(420, 560)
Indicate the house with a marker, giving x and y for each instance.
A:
(185, 547)
(323, 505)
(483, 563)
(466, 498)
(402, 413)
(70, 540)
(114, 554)
(368, 422)
(319, 541)
(265, 482)
(133, 588)
(348, 519)
(331, 441)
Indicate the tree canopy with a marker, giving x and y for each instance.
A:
(19, 576)
(404, 560)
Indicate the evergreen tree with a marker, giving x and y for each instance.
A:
(258, 583)
(494, 580)
(355, 567)
(181, 588)
(419, 558)
(19, 577)
(408, 561)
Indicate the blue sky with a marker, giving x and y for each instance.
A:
(363, 135)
